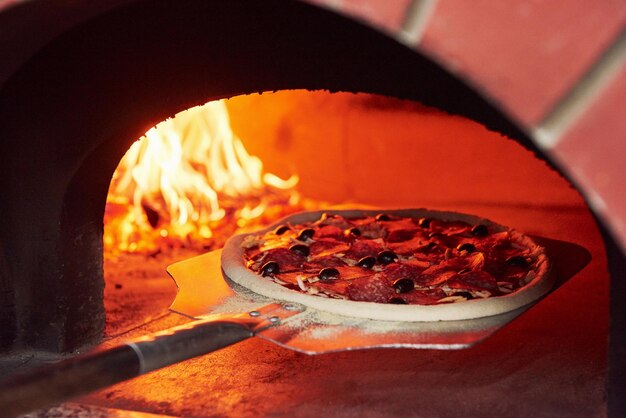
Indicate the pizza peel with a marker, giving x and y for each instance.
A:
(224, 313)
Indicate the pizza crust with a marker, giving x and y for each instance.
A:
(233, 266)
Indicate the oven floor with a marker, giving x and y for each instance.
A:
(549, 362)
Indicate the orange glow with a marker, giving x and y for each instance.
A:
(175, 184)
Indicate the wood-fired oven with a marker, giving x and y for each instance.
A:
(457, 108)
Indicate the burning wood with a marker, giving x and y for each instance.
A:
(190, 182)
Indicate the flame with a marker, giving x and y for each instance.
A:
(175, 184)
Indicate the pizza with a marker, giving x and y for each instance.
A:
(397, 265)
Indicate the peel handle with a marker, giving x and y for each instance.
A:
(104, 367)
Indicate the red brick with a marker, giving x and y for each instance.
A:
(594, 151)
(5, 4)
(524, 53)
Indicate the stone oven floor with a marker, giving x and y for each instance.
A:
(549, 362)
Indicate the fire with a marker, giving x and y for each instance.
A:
(188, 177)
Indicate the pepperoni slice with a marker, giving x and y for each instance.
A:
(291, 277)
(498, 250)
(286, 259)
(474, 280)
(473, 261)
(372, 229)
(450, 227)
(370, 289)
(324, 261)
(409, 247)
(337, 221)
(333, 288)
(327, 246)
(329, 231)
(364, 248)
(345, 272)
(405, 270)
(435, 277)
(401, 230)
(447, 241)
(424, 297)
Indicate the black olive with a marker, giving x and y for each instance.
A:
(328, 273)
(382, 217)
(463, 271)
(306, 234)
(366, 262)
(386, 257)
(403, 285)
(466, 295)
(303, 250)
(270, 268)
(281, 230)
(517, 261)
(355, 232)
(424, 222)
(480, 230)
(397, 301)
(470, 248)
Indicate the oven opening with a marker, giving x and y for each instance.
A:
(299, 150)
(240, 164)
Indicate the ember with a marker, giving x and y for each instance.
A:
(190, 182)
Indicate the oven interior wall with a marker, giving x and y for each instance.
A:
(377, 150)
(348, 150)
